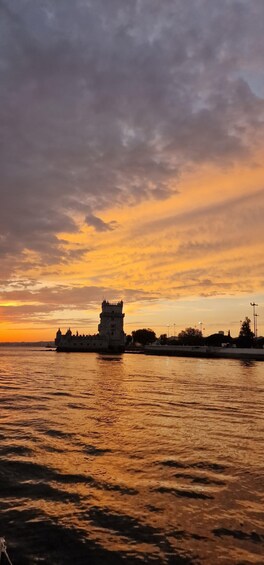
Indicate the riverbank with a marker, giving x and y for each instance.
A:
(205, 351)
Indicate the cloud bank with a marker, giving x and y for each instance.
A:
(106, 102)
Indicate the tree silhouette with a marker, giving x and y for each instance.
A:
(246, 336)
(191, 336)
(128, 340)
(144, 336)
(163, 339)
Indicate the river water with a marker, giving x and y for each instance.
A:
(130, 459)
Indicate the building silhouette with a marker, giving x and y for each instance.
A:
(110, 337)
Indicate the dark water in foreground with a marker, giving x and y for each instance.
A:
(131, 459)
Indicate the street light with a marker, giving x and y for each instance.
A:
(253, 304)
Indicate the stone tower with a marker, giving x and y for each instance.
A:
(112, 325)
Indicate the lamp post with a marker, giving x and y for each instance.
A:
(253, 304)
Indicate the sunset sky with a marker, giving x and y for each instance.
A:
(132, 138)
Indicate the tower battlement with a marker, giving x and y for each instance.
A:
(112, 323)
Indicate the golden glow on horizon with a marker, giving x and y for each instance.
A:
(192, 245)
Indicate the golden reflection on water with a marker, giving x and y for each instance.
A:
(146, 456)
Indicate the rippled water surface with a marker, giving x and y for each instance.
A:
(130, 459)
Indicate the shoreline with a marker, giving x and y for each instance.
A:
(207, 352)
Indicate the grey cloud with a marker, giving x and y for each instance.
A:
(241, 211)
(42, 305)
(62, 296)
(202, 248)
(106, 102)
(98, 224)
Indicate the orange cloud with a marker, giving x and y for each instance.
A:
(205, 243)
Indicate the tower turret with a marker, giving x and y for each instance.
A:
(58, 337)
